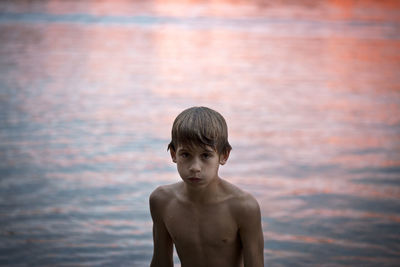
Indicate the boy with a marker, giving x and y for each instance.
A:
(211, 222)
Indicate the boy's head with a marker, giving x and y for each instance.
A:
(200, 126)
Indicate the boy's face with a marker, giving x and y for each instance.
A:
(197, 165)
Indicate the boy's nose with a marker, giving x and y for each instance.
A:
(195, 166)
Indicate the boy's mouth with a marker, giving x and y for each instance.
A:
(194, 179)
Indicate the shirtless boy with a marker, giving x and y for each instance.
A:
(211, 222)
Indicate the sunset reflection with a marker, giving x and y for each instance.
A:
(309, 89)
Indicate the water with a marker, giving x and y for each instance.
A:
(89, 90)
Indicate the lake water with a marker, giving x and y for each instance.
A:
(89, 90)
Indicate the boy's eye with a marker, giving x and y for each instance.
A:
(207, 155)
(184, 155)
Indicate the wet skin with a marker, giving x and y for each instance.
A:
(210, 221)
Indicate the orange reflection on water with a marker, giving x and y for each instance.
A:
(185, 56)
(276, 253)
(309, 90)
(117, 7)
(349, 9)
(384, 10)
(343, 213)
(279, 186)
(319, 240)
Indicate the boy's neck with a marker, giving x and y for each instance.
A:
(202, 195)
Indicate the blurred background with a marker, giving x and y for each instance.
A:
(89, 90)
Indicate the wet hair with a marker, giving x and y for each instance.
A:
(200, 126)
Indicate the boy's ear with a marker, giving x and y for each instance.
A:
(223, 158)
(173, 155)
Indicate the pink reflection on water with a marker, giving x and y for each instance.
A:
(276, 253)
(94, 179)
(280, 186)
(269, 192)
(135, 227)
(333, 9)
(105, 95)
(345, 213)
(318, 240)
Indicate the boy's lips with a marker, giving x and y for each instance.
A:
(194, 179)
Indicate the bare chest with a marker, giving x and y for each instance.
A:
(201, 227)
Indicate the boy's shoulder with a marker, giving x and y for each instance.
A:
(164, 192)
(160, 198)
(237, 196)
(242, 203)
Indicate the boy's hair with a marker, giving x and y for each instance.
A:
(200, 126)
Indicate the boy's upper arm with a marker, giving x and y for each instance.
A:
(163, 246)
(251, 234)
